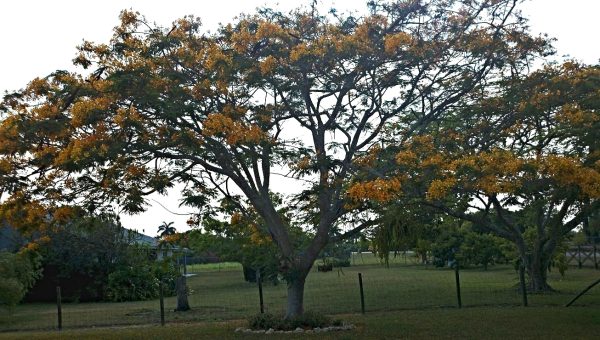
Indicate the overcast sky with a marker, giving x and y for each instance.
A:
(39, 36)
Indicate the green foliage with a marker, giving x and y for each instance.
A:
(446, 248)
(86, 249)
(236, 245)
(469, 248)
(138, 275)
(338, 254)
(337, 262)
(308, 320)
(482, 249)
(18, 272)
(166, 229)
(95, 258)
(422, 248)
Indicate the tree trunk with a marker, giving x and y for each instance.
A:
(182, 296)
(295, 296)
(538, 280)
(536, 265)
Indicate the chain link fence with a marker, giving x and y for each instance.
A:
(218, 291)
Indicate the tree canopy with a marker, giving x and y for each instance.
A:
(522, 159)
(304, 94)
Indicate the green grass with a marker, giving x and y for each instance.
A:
(469, 323)
(211, 267)
(223, 295)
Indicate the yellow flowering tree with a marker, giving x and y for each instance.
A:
(302, 94)
(523, 160)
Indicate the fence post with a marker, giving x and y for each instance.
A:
(260, 291)
(457, 277)
(595, 260)
(162, 303)
(579, 257)
(59, 307)
(522, 283)
(362, 294)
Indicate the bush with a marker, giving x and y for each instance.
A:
(18, 273)
(340, 262)
(131, 283)
(308, 320)
(139, 278)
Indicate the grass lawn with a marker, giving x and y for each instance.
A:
(470, 323)
(221, 294)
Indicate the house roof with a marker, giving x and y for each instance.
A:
(10, 239)
(140, 238)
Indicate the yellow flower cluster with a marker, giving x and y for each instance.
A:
(5, 166)
(83, 109)
(235, 132)
(569, 171)
(380, 190)
(63, 214)
(268, 65)
(236, 218)
(257, 236)
(303, 164)
(396, 42)
(440, 187)
(573, 115)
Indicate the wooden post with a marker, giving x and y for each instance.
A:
(59, 307)
(260, 291)
(162, 303)
(522, 282)
(457, 277)
(579, 257)
(362, 294)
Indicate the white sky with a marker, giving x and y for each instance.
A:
(39, 36)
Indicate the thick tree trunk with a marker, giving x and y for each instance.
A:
(295, 297)
(182, 294)
(536, 264)
(537, 272)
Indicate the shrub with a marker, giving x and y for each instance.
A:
(18, 273)
(131, 283)
(308, 320)
(340, 262)
(139, 277)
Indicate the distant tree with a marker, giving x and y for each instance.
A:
(166, 229)
(18, 273)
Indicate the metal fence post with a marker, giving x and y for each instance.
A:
(362, 293)
(59, 307)
(457, 277)
(260, 291)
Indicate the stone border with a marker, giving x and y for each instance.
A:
(297, 330)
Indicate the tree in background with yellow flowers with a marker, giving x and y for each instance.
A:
(521, 162)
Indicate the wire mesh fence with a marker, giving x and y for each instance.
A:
(217, 291)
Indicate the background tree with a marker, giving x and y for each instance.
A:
(166, 229)
(522, 162)
(302, 94)
(18, 273)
